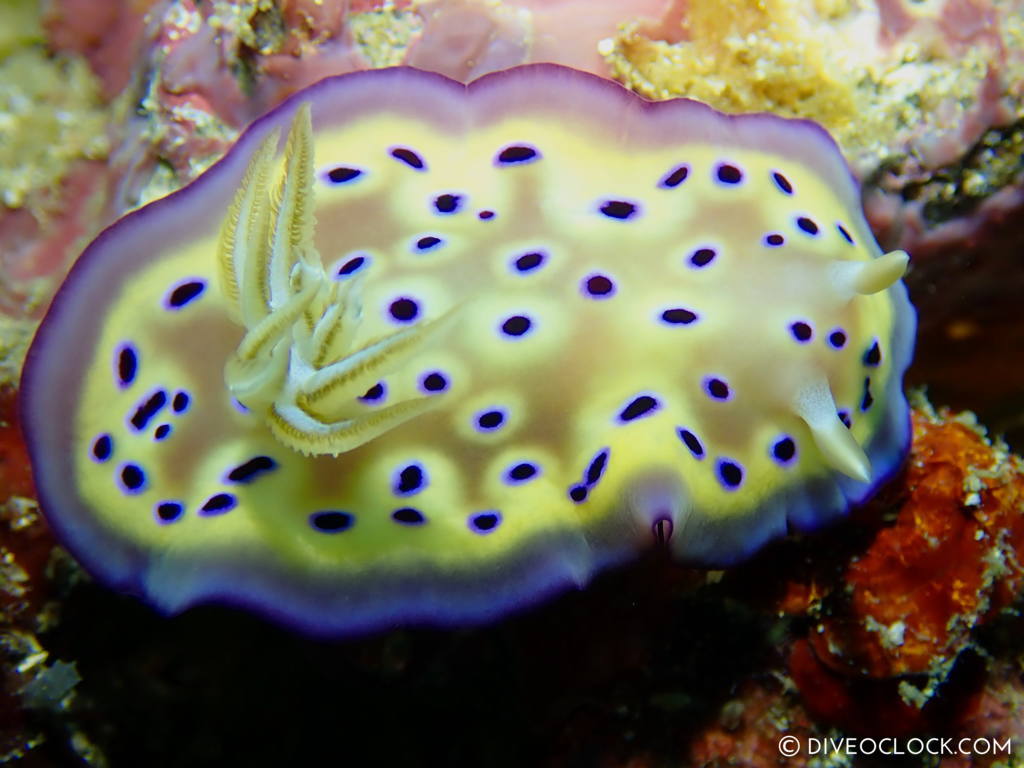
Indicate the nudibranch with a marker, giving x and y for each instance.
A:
(422, 352)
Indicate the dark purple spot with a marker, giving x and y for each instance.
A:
(728, 174)
(873, 356)
(185, 293)
(485, 215)
(408, 516)
(147, 410)
(428, 243)
(618, 209)
(343, 174)
(218, 504)
(434, 381)
(782, 183)
(844, 416)
(133, 477)
(845, 233)
(641, 406)
(807, 225)
(169, 511)
(484, 522)
(801, 331)
(517, 325)
(598, 286)
(239, 406)
(517, 154)
(716, 388)
(675, 177)
(521, 472)
(181, 401)
(691, 441)
(868, 399)
(678, 316)
(103, 447)
(161, 432)
(374, 393)
(702, 257)
(447, 203)
(730, 473)
(250, 470)
(408, 157)
(784, 449)
(488, 421)
(578, 493)
(127, 364)
(529, 261)
(596, 469)
(403, 309)
(409, 480)
(837, 339)
(331, 521)
(774, 240)
(351, 266)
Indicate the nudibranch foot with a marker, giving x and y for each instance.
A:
(423, 352)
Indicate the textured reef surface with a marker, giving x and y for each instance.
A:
(903, 619)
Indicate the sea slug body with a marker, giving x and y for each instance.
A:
(422, 352)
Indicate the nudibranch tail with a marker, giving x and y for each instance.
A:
(422, 352)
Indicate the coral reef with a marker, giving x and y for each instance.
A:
(888, 79)
(905, 619)
(53, 128)
(895, 602)
(893, 623)
(21, 26)
(950, 561)
(30, 680)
